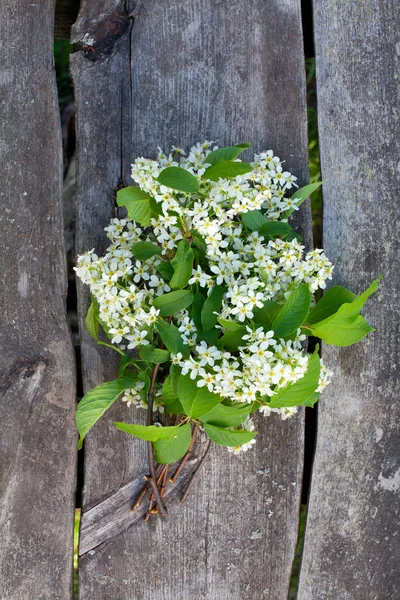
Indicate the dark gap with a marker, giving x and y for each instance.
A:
(62, 51)
(316, 208)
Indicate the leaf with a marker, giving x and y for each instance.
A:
(302, 194)
(330, 303)
(230, 325)
(227, 416)
(293, 312)
(171, 450)
(137, 204)
(346, 326)
(171, 336)
(179, 179)
(226, 169)
(199, 245)
(91, 322)
(182, 263)
(228, 153)
(211, 306)
(173, 302)
(274, 229)
(345, 333)
(125, 361)
(231, 340)
(145, 250)
(228, 437)
(253, 219)
(170, 399)
(301, 392)
(267, 314)
(165, 269)
(151, 433)
(195, 401)
(95, 403)
(153, 355)
(195, 311)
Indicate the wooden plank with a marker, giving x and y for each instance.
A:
(352, 549)
(66, 13)
(37, 373)
(177, 75)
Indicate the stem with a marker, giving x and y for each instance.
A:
(195, 474)
(187, 455)
(143, 491)
(152, 478)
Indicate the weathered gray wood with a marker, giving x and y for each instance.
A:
(66, 13)
(177, 74)
(352, 547)
(37, 373)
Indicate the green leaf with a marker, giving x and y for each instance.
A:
(145, 250)
(175, 373)
(342, 333)
(231, 340)
(227, 416)
(199, 245)
(253, 219)
(171, 336)
(179, 179)
(182, 263)
(330, 303)
(153, 355)
(195, 311)
(165, 269)
(228, 437)
(274, 229)
(151, 433)
(195, 401)
(300, 393)
(125, 361)
(95, 403)
(137, 204)
(293, 312)
(230, 325)
(267, 314)
(171, 450)
(211, 306)
(170, 399)
(226, 169)
(228, 153)
(91, 322)
(173, 302)
(346, 326)
(302, 194)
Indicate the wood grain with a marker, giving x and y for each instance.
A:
(352, 548)
(177, 74)
(37, 373)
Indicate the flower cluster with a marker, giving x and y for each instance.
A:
(240, 357)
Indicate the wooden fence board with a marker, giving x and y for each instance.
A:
(177, 74)
(37, 374)
(352, 548)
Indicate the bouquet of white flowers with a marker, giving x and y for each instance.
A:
(208, 296)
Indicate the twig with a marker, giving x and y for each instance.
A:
(195, 474)
(187, 455)
(164, 481)
(144, 489)
(152, 478)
